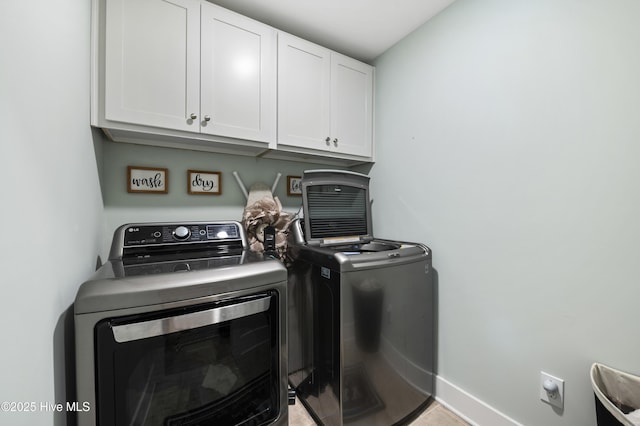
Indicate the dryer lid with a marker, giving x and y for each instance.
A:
(336, 207)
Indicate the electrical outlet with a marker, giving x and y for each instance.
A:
(552, 390)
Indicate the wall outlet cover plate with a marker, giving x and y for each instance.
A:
(558, 399)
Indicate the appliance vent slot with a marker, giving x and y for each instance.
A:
(336, 211)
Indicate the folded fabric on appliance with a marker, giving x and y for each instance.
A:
(262, 210)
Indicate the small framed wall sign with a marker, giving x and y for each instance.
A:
(294, 185)
(204, 182)
(147, 180)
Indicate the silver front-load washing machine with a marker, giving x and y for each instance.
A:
(183, 326)
(361, 310)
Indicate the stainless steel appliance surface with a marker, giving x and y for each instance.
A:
(361, 310)
(182, 326)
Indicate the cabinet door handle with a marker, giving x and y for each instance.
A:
(207, 118)
(193, 116)
(328, 140)
(335, 142)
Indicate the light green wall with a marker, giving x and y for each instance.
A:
(51, 204)
(508, 140)
(122, 207)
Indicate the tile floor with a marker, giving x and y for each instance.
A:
(438, 415)
(434, 415)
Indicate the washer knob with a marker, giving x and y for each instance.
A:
(181, 233)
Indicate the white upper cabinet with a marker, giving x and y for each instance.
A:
(325, 100)
(152, 62)
(351, 106)
(191, 74)
(191, 66)
(238, 76)
(304, 72)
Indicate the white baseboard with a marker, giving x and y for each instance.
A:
(468, 407)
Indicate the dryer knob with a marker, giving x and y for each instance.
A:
(181, 233)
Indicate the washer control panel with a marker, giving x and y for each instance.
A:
(154, 234)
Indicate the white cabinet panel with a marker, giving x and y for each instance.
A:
(191, 74)
(152, 52)
(190, 66)
(351, 105)
(303, 93)
(238, 76)
(325, 100)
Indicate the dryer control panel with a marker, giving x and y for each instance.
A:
(177, 233)
(176, 236)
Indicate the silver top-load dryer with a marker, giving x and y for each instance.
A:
(183, 325)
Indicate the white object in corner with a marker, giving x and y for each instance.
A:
(468, 407)
(244, 188)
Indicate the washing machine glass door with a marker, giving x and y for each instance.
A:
(209, 364)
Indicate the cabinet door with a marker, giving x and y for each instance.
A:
(303, 93)
(152, 62)
(351, 106)
(238, 76)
